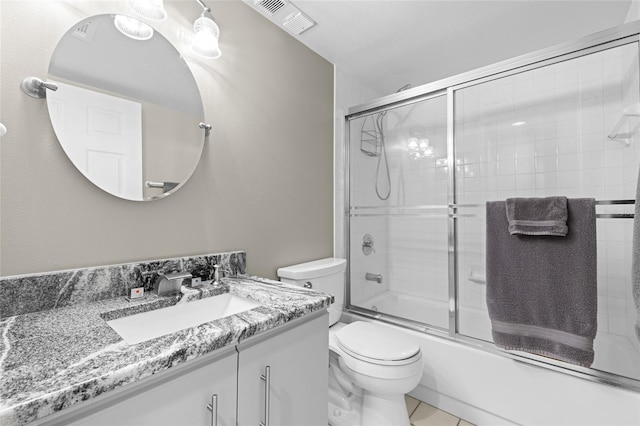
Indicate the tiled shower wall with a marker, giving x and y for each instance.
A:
(418, 238)
(542, 133)
(362, 192)
(411, 242)
(375, 263)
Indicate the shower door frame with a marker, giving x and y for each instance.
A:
(604, 40)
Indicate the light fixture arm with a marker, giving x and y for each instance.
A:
(204, 6)
(207, 33)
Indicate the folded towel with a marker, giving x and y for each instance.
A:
(537, 216)
(541, 291)
(635, 260)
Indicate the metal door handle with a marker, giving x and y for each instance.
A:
(213, 407)
(267, 394)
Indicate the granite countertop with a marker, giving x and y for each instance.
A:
(53, 359)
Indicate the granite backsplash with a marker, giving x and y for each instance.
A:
(38, 292)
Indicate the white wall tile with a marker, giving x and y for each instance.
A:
(562, 149)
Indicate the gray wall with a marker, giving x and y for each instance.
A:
(264, 183)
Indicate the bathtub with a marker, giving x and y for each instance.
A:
(415, 308)
(613, 353)
(487, 388)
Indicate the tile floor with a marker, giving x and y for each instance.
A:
(423, 414)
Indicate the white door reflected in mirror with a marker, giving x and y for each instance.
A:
(127, 110)
(102, 136)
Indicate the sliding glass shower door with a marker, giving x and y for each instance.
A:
(398, 188)
(562, 129)
(421, 168)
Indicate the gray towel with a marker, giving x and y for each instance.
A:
(635, 260)
(537, 216)
(542, 291)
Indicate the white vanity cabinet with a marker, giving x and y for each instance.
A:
(283, 377)
(178, 397)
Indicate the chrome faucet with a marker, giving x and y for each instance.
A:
(169, 284)
(373, 277)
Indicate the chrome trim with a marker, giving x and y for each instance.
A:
(347, 206)
(207, 128)
(403, 101)
(453, 207)
(152, 184)
(598, 203)
(442, 215)
(213, 407)
(419, 207)
(551, 61)
(36, 87)
(369, 276)
(266, 377)
(399, 321)
(615, 216)
(372, 211)
(610, 202)
(607, 36)
(457, 215)
(452, 235)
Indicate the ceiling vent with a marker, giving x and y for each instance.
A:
(269, 7)
(284, 14)
(297, 23)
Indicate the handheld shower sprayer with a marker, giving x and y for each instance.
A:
(379, 124)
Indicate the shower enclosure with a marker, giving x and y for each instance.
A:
(422, 163)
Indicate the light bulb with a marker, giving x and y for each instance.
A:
(412, 143)
(205, 41)
(424, 142)
(132, 28)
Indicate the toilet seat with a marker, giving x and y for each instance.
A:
(377, 344)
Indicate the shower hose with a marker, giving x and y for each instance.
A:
(383, 155)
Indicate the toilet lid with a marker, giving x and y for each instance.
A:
(376, 342)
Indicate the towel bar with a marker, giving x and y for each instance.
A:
(598, 215)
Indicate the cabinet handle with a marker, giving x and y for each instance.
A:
(213, 407)
(267, 394)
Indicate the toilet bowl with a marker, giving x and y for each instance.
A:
(381, 365)
(371, 366)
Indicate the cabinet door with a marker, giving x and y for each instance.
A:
(297, 390)
(178, 400)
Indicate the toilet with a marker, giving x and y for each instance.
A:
(371, 366)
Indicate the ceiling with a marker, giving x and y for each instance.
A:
(389, 43)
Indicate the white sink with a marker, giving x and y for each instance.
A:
(149, 325)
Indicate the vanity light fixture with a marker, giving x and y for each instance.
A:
(132, 28)
(149, 9)
(207, 33)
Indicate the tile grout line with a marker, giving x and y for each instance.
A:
(414, 410)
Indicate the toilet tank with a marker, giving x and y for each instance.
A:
(325, 275)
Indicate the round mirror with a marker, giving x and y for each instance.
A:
(127, 110)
